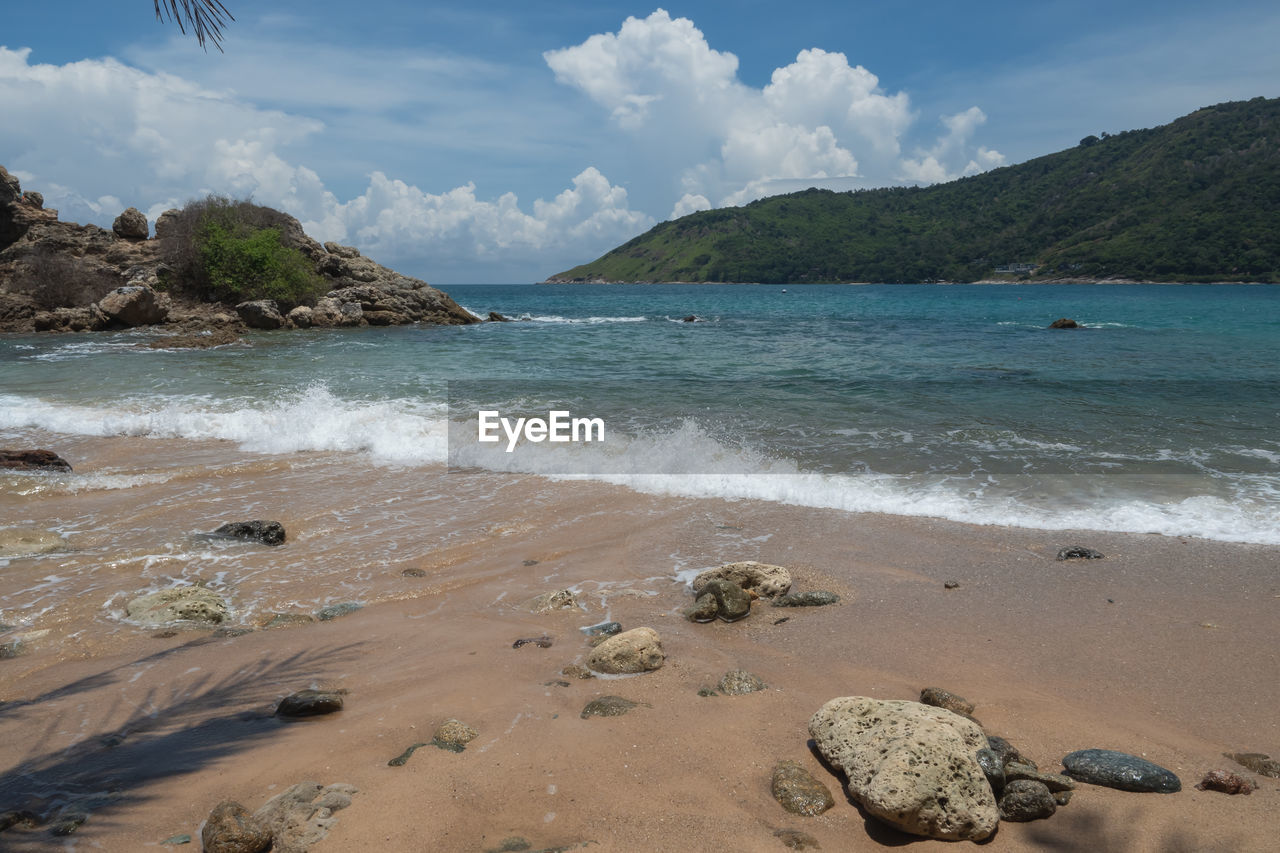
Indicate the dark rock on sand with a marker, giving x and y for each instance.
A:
(230, 828)
(333, 611)
(309, 703)
(414, 573)
(1263, 765)
(722, 598)
(1021, 771)
(1119, 770)
(1079, 552)
(403, 758)
(992, 768)
(939, 698)
(608, 706)
(1065, 323)
(811, 598)
(33, 460)
(739, 682)
(707, 692)
(1024, 800)
(453, 735)
(798, 792)
(266, 532)
(543, 642)
(951, 585)
(1226, 782)
(67, 824)
(794, 839)
(302, 816)
(1006, 751)
(703, 609)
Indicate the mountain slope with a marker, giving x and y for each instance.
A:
(1194, 200)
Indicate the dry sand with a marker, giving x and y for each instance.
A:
(1165, 649)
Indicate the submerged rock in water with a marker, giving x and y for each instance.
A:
(403, 758)
(180, 604)
(495, 317)
(603, 629)
(266, 532)
(231, 828)
(939, 698)
(309, 703)
(1024, 800)
(543, 642)
(1226, 782)
(33, 460)
(280, 620)
(333, 611)
(637, 650)
(1079, 552)
(910, 765)
(302, 816)
(453, 735)
(1119, 770)
(794, 839)
(561, 599)
(798, 792)
(739, 682)
(1263, 765)
(765, 580)
(29, 541)
(608, 706)
(810, 598)
(1065, 323)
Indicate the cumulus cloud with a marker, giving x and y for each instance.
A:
(819, 118)
(84, 132)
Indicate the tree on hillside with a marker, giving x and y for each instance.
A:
(205, 17)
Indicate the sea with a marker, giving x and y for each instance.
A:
(1160, 415)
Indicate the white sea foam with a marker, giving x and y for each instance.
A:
(587, 321)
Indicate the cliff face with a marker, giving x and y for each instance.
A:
(60, 276)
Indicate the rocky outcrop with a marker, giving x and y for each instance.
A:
(134, 305)
(910, 765)
(52, 273)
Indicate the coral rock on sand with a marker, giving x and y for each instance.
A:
(765, 580)
(720, 597)
(910, 765)
(180, 604)
(1079, 552)
(739, 682)
(1226, 782)
(798, 792)
(230, 828)
(637, 650)
(303, 815)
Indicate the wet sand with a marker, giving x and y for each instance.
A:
(1164, 649)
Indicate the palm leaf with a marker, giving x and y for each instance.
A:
(205, 17)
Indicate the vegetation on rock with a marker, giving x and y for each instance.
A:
(1194, 200)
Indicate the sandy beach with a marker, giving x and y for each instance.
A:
(1162, 649)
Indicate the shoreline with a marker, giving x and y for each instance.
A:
(1125, 652)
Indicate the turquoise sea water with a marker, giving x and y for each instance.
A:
(944, 400)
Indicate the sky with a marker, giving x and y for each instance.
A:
(507, 141)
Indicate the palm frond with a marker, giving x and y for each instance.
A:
(205, 17)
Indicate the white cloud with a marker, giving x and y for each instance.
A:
(690, 203)
(931, 166)
(819, 118)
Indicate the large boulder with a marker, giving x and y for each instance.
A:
(134, 305)
(260, 314)
(910, 765)
(131, 225)
(765, 580)
(179, 604)
(637, 650)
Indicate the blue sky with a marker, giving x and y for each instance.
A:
(467, 142)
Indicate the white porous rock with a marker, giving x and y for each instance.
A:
(765, 580)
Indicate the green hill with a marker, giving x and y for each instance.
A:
(1194, 200)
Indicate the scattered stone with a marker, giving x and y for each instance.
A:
(414, 573)
(29, 541)
(513, 844)
(766, 580)
(281, 620)
(951, 585)
(794, 839)
(604, 629)
(266, 532)
(179, 604)
(1024, 800)
(739, 682)
(302, 816)
(910, 765)
(1065, 323)
(1021, 771)
(555, 683)
(1263, 765)
(260, 314)
(543, 642)
(783, 619)
(309, 703)
(1112, 769)
(20, 819)
(12, 649)
(175, 840)
(1079, 552)
(403, 758)
(33, 460)
(609, 706)
(131, 225)
(453, 735)
(706, 691)
(1062, 797)
(133, 305)
(810, 598)
(720, 597)
(1006, 751)
(939, 698)
(230, 828)
(798, 792)
(562, 599)
(529, 563)
(992, 768)
(333, 611)
(1226, 782)
(637, 650)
